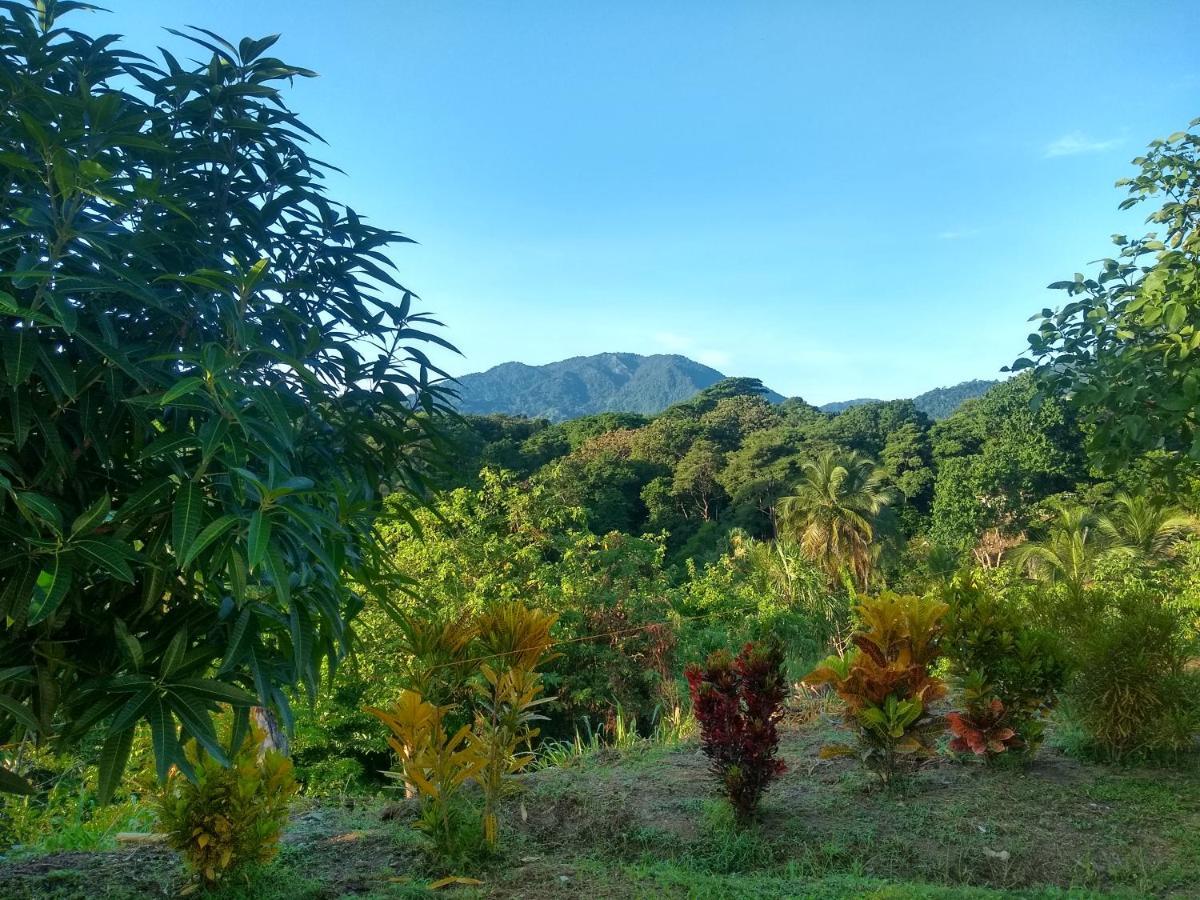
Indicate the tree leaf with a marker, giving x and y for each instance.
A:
(162, 737)
(39, 508)
(280, 577)
(196, 722)
(182, 388)
(258, 539)
(105, 555)
(217, 691)
(114, 756)
(12, 783)
(20, 352)
(185, 519)
(50, 590)
(211, 532)
(92, 516)
(20, 713)
(174, 654)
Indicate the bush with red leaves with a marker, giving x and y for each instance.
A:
(983, 729)
(738, 704)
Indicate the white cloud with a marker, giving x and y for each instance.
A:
(957, 234)
(687, 346)
(676, 343)
(1076, 143)
(718, 359)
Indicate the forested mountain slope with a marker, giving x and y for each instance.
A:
(584, 385)
(937, 403)
(632, 383)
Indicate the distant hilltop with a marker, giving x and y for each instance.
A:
(937, 403)
(630, 382)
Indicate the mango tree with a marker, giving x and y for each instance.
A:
(211, 377)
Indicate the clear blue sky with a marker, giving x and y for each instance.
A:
(845, 200)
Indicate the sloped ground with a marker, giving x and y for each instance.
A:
(646, 824)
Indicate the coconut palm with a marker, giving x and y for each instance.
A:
(1068, 553)
(1143, 527)
(834, 513)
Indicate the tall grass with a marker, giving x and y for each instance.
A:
(622, 734)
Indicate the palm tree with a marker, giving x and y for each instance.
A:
(1068, 553)
(834, 513)
(1146, 528)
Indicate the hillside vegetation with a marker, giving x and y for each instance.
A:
(937, 403)
(585, 385)
(627, 382)
(279, 618)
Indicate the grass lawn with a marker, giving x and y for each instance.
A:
(645, 823)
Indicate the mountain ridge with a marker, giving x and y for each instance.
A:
(632, 382)
(937, 403)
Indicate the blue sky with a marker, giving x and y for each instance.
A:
(842, 199)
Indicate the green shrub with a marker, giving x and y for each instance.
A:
(996, 656)
(1134, 695)
(226, 817)
(759, 590)
(63, 812)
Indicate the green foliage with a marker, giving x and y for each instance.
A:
(1147, 528)
(724, 459)
(867, 428)
(1123, 346)
(996, 458)
(586, 385)
(835, 513)
(1137, 528)
(1136, 693)
(906, 457)
(886, 682)
(226, 817)
(1068, 554)
(207, 388)
(61, 813)
(504, 543)
(755, 591)
(604, 481)
(997, 656)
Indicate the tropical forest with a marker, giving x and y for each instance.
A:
(293, 607)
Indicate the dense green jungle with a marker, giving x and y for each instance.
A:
(281, 620)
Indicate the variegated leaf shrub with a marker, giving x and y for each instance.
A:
(737, 702)
(222, 818)
(886, 683)
(497, 655)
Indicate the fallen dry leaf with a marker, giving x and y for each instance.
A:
(452, 879)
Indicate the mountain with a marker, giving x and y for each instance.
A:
(941, 402)
(937, 403)
(582, 385)
(838, 406)
(630, 382)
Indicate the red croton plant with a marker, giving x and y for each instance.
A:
(982, 730)
(738, 703)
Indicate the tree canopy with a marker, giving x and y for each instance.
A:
(1124, 345)
(211, 378)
